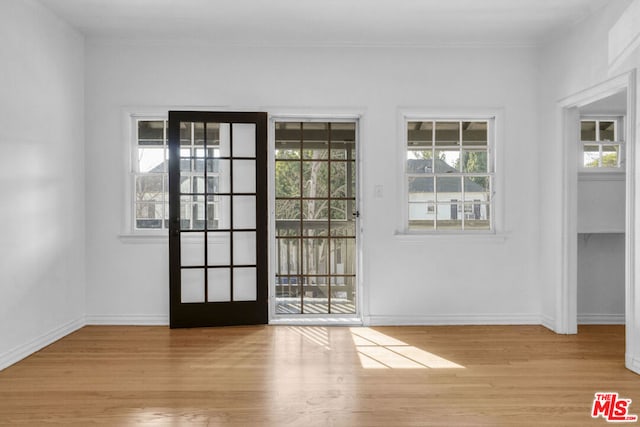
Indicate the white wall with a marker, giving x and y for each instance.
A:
(407, 280)
(42, 264)
(600, 278)
(601, 203)
(601, 248)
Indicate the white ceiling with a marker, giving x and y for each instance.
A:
(327, 22)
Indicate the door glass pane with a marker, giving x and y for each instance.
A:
(316, 295)
(288, 217)
(314, 252)
(192, 249)
(244, 284)
(244, 176)
(192, 285)
(288, 298)
(314, 179)
(219, 170)
(343, 256)
(343, 294)
(288, 256)
(225, 140)
(218, 216)
(219, 285)
(339, 181)
(288, 179)
(244, 212)
(218, 249)
(244, 140)
(244, 248)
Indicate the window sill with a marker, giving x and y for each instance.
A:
(601, 175)
(488, 237)
(144, 237)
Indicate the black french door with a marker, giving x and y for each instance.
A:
(218, 218)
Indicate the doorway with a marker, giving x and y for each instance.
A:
(314, 256)
(566, 320)
(601, 211)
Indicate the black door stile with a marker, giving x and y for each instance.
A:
(191, 195)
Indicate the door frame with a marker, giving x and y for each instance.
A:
(566, 321)
(314, 319)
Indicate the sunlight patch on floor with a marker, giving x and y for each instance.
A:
(316, 334)
(379, 351)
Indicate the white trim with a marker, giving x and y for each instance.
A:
(144, 238)
(128, 319)
(600, 319)
(455, 319)
(632, 363)
(547, 322)
(567, 133)
(602, 175)
(632, 330)
(22, 351)
(419, 237)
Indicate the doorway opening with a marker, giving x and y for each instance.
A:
(570, 110)
(314, 256)
(601, 211)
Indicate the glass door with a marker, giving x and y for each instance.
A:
(316, 213)
(217, 218)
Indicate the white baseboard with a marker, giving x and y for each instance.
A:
(632, 363)
(128, 319)
(548, 322)
(20, 352)
(601, 319)
(453, 319)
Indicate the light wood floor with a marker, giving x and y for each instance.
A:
(308, 376)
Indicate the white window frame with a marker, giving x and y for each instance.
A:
(129, 220)
(618, 140)
(494, 135)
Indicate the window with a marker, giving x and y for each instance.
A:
(600, 143)
(449, 174)
(150, 175)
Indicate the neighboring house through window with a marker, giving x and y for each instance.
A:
(449, 174)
